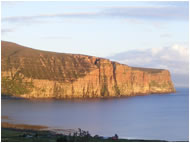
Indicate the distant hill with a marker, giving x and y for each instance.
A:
(31, 73)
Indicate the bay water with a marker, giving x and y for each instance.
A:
(158, 116)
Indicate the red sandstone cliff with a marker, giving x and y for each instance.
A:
(33, 73)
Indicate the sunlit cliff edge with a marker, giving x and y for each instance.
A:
(30, 73)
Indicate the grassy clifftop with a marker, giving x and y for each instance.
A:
(43, 65)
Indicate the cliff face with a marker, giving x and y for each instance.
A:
(33, 73)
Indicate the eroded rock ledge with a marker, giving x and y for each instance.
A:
(33, 73)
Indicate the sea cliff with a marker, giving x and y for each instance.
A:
(31, 73)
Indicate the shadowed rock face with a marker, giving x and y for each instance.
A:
(33, 73)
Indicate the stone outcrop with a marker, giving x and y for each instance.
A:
(33, 73)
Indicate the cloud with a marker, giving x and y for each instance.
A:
(11, 3)
(165, 35)
(174, 58)
(5, 31)
(56, 37)
(46, 16)
(153, 12)
(150, 12)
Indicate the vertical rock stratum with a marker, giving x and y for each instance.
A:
(30, 73)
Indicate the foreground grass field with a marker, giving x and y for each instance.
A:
(26, 135)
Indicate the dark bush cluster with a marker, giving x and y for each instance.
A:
(83, 136)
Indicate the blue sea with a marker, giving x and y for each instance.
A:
(164, 117)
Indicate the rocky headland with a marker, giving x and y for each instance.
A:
(30, 73)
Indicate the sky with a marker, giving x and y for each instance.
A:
(105, 29)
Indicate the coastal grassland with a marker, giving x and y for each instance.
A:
(24, 135)
(33, 133)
